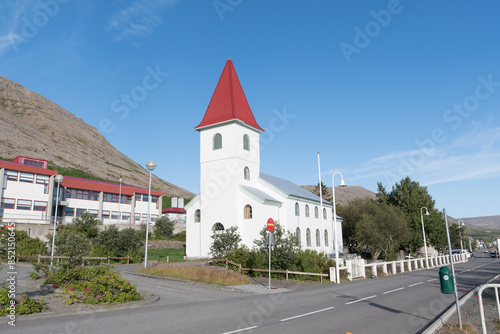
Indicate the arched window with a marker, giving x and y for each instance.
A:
(217, 227)
(297, 211)
(197, 216)
(246, 173)
(316, 214)
(297, 233)
(307, 210)
(324, 213)
(308, 237)
(246, 142)
(217, 141)
(318, 238)
(248, 212)
(326, 238)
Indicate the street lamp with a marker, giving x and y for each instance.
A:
(58, 178)
(342, 184)
(423, 232)
(151, 165)
(120, 200)
(461, 224)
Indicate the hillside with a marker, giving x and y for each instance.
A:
(487, 222)
(33, 126)
(344, 195)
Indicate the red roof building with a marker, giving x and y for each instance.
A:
(228, 102)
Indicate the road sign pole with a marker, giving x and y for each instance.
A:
(269, 238)
(452, 269)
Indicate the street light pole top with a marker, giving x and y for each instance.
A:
(59, 178)
(121, 179)
(342, 183)
(426, 211)
(151, 165)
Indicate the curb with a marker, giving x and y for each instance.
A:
(451, 310)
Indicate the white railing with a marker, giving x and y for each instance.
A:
(480, 298)
(357, 267)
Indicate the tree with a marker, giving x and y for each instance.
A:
(73, 244)
(164, 228)
(284, 253)
(382, 228)
(86, 224)
(351, 214)
(224, 242)
(324, 190)
(410, 197)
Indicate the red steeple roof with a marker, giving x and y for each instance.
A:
(228, 101)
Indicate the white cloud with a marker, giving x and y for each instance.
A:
(139, 19)
(474, 155)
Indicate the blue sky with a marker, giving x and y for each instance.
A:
(382, 89)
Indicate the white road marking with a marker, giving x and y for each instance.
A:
(393, 290)
(430, 280)
(241, 330)
(415, 284)
(355, 301)
(305, 314)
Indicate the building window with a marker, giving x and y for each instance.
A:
(307, 210)
(248, 212)
(308, 237)
(144, 217)
(38, 164)
(326, 238)
(197, 216)
(297, 234)
(316, 212)
(8, 203)
(126, 216)
(138, 197)
(26, 177)
(11, 175)
(69, 212)
(154, 199)
(80, 211)
(217, 227)
(318, 238)
(94, 213)
(246, 142)
(39, 206)
(115, 215)
(246, 173)
(297, 211)
(23, 204)
(145, 198)
(137, 217)
(105, 214)
(154, 218)
(324, 213)
(217, 141)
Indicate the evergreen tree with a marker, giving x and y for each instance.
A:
(325, 191)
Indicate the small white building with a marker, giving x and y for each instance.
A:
(233, 190)
(29, 193)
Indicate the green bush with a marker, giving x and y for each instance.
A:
(95, 285)
(181, 236)
(224, 242)
(114, 243)
(87, 225)
(25, 305)
(164, 228)
(31, 246)
(73, 244)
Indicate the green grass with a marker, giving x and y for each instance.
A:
(174, 254)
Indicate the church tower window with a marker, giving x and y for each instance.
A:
(217, 141)
(248, 212)
(246, 142)
(246, 173)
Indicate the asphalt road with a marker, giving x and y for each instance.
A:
(403, 303)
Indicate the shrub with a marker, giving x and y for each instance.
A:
(93, 285)
(224, 242)
(86, 224)
(31, 246)
(164, 228)
(181, 236)
(23, 306)
(73, 244)
(112, 242)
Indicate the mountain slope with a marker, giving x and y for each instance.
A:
(344, 195)
(33, 126)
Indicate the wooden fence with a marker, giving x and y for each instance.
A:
(286, 272)
(39, 257)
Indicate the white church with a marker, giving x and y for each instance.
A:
(233, 191)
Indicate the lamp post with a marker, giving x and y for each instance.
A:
(342, 184)
(120, 200)
(461, 224)
(151, 165)
(58, 179)
(470, 246)
(423, 232)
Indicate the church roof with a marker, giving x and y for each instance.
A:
(265, 198)
(290, 188)
(228, 102)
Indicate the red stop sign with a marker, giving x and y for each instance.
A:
(270, 225)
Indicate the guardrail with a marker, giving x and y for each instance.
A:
(481, 308)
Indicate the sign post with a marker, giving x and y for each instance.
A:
(270, 241)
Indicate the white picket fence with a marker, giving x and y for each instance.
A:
(357, 267)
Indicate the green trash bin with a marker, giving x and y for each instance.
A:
(446, 280)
